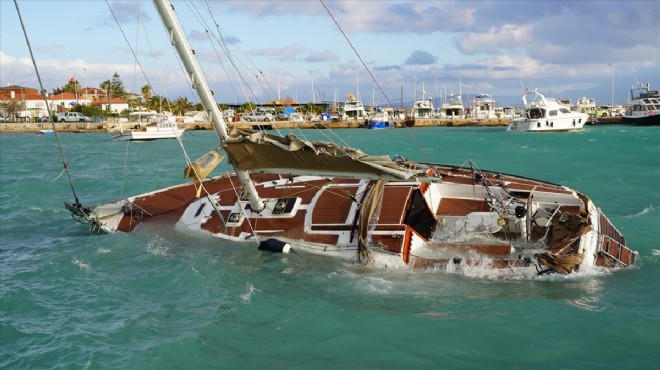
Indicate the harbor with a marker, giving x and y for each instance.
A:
(111, 127)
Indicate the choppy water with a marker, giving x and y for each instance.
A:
(159, 299)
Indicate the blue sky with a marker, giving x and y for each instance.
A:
(569, 49)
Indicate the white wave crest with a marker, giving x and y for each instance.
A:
(247, 296)
(158, 246)
(81, 264)
(646, 210)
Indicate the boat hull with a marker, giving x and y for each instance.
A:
(648, 120)
(147, 135)
(547, 125)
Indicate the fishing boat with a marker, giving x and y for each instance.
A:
(380, 119)
(161, 127)
(543, 114)
(483, 107)
(644, 106)
(288, 194)
(452, 107)
(353, 109)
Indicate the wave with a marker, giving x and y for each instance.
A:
(646, 210)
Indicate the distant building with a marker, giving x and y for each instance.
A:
(114, 105)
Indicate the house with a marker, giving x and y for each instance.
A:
(92, 93)
(114, 105)
(66, 100)
(23, 103)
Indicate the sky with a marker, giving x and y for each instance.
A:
(383, 51)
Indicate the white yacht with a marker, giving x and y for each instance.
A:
(546, 115)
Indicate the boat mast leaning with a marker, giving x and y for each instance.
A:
(180, 43)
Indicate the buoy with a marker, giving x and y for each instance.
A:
(277, 246)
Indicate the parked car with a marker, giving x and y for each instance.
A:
(72, 117)
(258, 116)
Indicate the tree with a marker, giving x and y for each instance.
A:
(114, 87)
(248, 107)
(72, 86)
(118, 90)
(181, 106)
(157, 102)
(146, 92)
(12, 107)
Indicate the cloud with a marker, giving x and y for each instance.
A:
(127, 12)
(322, 56)
(420, 57)
(284, 53)
(505, 38)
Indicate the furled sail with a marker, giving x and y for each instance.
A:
(257, 151)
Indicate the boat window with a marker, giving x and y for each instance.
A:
(419, 216)
(536, 113)
(564, 110)
(552, 113)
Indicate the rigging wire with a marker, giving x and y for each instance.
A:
(373, 77)
(50, 113)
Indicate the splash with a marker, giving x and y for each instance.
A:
(646, 210)
(158, 246)
(84, 266)
(247, 296)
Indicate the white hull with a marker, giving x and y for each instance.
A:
(571, 123)
(147, 135)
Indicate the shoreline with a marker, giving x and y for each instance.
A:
(105, 127)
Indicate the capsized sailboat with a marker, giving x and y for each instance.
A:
(329, 199)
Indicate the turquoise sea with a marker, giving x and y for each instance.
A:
(161, 299)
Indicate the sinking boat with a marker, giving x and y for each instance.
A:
(324, 198)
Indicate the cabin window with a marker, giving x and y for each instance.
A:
(419, 216)
(552, 113)
(536, 113)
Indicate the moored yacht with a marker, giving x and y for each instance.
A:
(644, 106)
(483, 106)
(452, 107)
(546, 115)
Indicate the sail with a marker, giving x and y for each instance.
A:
(257, 151)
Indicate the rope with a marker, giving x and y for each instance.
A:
(50, 113)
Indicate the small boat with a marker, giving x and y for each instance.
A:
(380, 119)
(325, 198)
(644, 106)
(423, 108)
(46, 132)
(452, 107)
(164, 129)
(543, 114)
(353, 109)
(483, 107)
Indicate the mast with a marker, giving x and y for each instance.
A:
(178, 39)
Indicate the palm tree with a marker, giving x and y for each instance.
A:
(181, 106)
(146, 92)
(156, 102)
